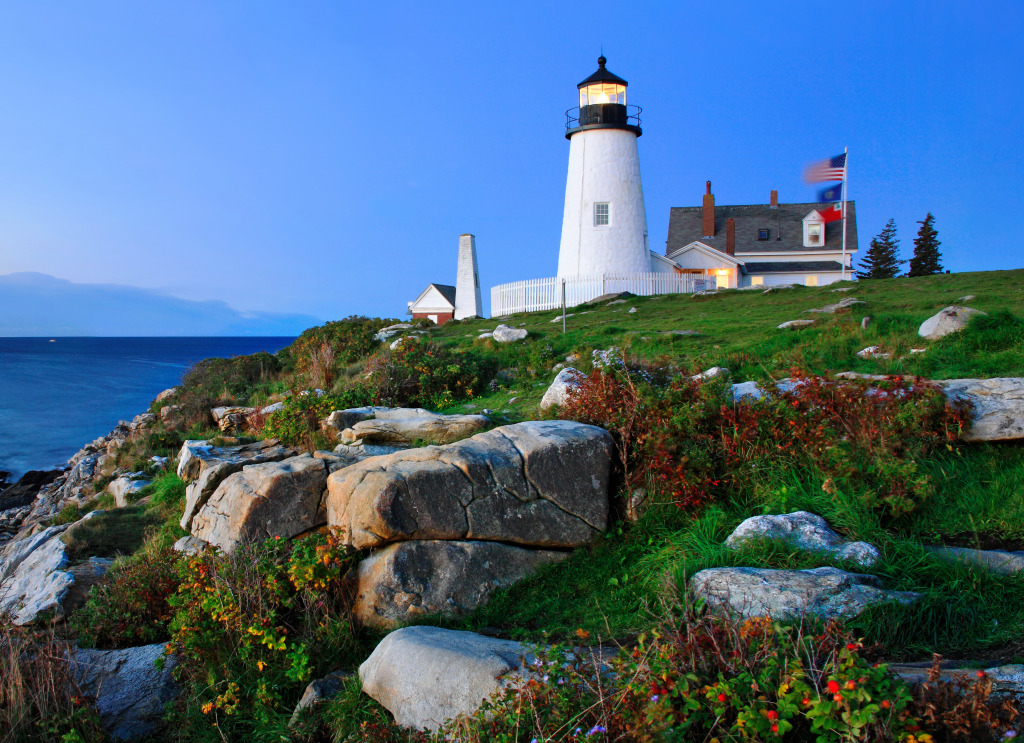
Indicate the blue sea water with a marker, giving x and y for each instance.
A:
(56, 395)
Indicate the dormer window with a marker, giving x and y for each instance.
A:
(814, 230)
(762, 234)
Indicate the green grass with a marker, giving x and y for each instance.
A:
(739, 331)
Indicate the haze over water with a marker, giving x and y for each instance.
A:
(58, 395)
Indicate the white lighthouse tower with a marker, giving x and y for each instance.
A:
(604, 226)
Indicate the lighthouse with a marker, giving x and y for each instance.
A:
(604, 225)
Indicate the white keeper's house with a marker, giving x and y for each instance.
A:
(761, 244)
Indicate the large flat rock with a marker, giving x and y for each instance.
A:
(426, 675)
(998, 406)
(412, 579)
(272, 499)
(825, 593)
(540, 483)
(407, 425)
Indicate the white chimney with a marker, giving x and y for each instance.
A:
(467, 282)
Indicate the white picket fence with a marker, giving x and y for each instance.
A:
(534, 295)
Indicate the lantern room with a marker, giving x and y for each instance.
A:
(603, 103)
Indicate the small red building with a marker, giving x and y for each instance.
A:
(436, 303)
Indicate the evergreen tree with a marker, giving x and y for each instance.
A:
(882, 261)
(926, 250)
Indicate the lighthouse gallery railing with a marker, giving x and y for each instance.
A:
(535, 295)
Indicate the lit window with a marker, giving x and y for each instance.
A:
(757, 280)
(762, 234)
(814, 234)
(601, 214)
(811, 280)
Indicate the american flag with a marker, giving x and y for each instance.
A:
(833, 169)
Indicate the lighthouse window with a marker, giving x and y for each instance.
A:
(600, 214)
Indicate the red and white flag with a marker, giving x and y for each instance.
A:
(833, 169)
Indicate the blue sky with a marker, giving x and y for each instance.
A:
(323, 157)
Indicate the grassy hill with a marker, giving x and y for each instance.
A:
(899, 480)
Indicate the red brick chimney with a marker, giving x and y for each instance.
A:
(708, 212)
(775, 199)
(730, 237)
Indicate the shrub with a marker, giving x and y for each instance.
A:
(692, 440)
(222, 380)
(318, 350)
(251, 628)
(427, 375)
(962, 709)
(298, 424)
(698, 677)
(129, 605)
(69, 514)
(40, 700)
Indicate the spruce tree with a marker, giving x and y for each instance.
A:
(882, 260)
(926, 250)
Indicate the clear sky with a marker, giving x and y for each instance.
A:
(323, 157)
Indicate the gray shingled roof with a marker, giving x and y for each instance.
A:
(685, 225)
(792, 266)
(448, 292)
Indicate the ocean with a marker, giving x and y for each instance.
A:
(57, 395)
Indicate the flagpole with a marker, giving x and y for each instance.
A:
(846, 164)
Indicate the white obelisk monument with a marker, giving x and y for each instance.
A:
(604, 225)
(467, 281)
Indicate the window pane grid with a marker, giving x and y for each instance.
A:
(601, 214)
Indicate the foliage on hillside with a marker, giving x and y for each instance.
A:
(885, 467)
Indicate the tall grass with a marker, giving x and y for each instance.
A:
(40, 699)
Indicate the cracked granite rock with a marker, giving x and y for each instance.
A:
(272, 499)
(538, 483)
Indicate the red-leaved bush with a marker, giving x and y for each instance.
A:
(691, 439)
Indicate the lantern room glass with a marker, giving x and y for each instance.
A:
(592, 95)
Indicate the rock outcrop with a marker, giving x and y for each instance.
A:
(997, 406)
(125, 487)
(540, 483)
(208, 466)
(32, 576)
(806, 531)
(1000, 562)
(130, 690)
(952, 319)
(413, 579)
(272, 499)
(403, 426)
(319, 690)
(232, 418)
(790, 324)
(505, 334)
(568, 381)
(825, 593)
(426, 675)
(339, 420)
(831, 309)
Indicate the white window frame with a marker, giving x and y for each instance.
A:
(807, 233)
(598, 214)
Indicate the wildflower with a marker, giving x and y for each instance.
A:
(833, 687)
(1010, 734)
(597, 729)
(654, 698)
(851, 646)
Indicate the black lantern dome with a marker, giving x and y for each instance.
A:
(603, 104)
